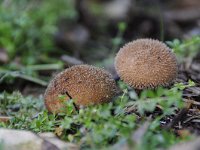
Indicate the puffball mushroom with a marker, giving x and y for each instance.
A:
(146, 63)
(85, 84)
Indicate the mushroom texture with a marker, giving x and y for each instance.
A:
(146, 63)
(85, 84)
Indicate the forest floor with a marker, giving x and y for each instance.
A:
(35, 46)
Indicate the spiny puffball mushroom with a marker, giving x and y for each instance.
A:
(85, 84)
(146, 63)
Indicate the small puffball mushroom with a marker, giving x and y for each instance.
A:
(85, 84)
(146, 63)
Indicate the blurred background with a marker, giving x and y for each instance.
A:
(41, 37)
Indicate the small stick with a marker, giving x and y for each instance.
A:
(179, 117)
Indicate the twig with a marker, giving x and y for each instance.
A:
(71, 60)
(191, 118)
(179, 117)
(191, 101)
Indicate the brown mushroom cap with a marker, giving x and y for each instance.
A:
(146, 63)
(85, 84)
